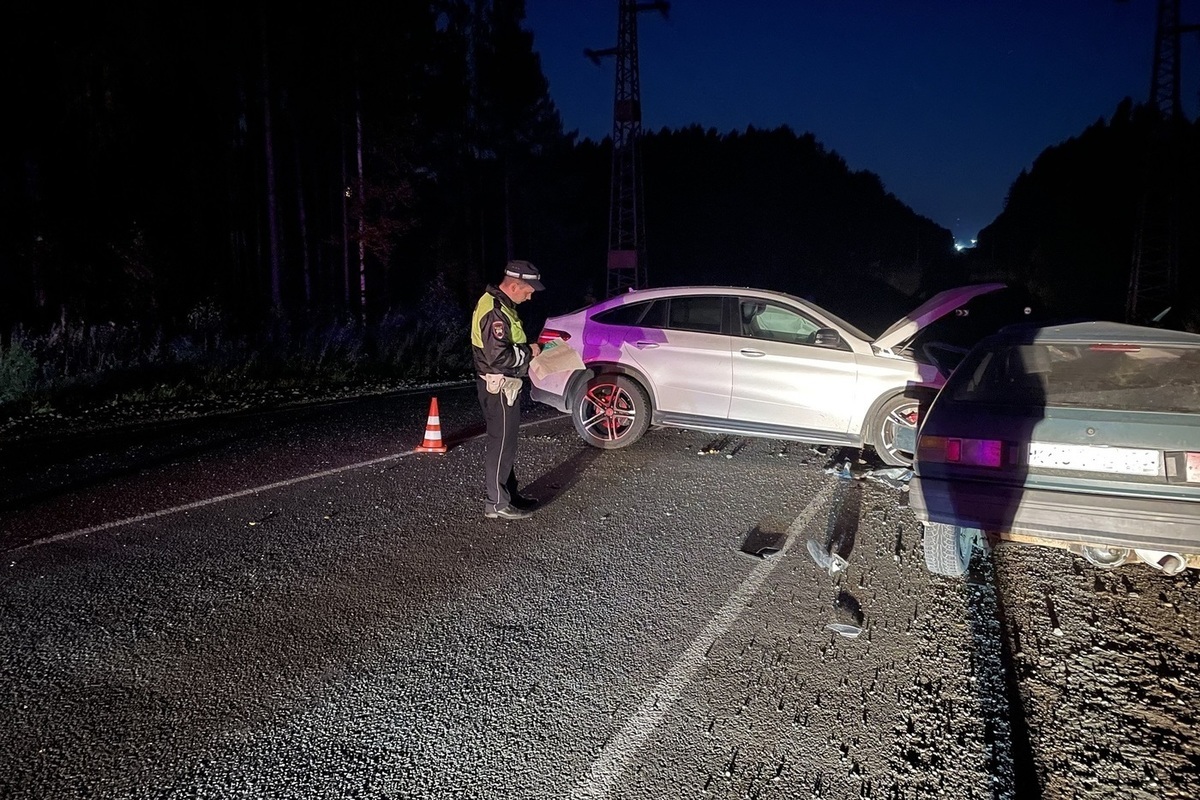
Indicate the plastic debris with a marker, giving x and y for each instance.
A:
(896, 477)
(842, 472)
(830, 561)
(818, 555)
(841, 629)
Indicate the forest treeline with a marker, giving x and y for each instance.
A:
(226, 169)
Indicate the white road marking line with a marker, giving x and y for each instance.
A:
(612, 762)
(60, 537)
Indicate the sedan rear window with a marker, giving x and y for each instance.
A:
(1105, 376)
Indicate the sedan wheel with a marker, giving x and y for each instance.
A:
(895, 430)
(613, 412)
(948, 548)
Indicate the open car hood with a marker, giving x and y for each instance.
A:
(930, 311)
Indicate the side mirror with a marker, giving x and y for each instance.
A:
(827, 337)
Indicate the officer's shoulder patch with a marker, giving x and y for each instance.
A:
(498, 331)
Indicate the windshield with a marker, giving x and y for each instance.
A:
(1104, 376)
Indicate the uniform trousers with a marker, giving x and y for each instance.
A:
(503, 427)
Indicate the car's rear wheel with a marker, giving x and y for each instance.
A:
(948, 548)
(612, 412)
(894, 430)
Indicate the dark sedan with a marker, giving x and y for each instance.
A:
(1083, 436)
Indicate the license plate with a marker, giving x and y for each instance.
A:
(1122, 460)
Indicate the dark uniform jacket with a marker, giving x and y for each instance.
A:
(498, 340)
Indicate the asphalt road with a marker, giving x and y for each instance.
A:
(296, 605)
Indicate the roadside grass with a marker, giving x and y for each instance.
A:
(77, 375)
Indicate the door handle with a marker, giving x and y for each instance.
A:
(645, 345)
(752, 353)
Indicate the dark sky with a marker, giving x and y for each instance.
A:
(946, 100)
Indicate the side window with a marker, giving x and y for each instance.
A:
(628, 314)
(656, 315)
(696, 314)
(760, 319)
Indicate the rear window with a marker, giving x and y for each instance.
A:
(702, 313)
(1104, 376)
(628, 314)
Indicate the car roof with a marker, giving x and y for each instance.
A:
(1092, 331)
(634, 295)
(660, 291)
(900, 332)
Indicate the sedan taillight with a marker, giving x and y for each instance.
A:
(954, 450)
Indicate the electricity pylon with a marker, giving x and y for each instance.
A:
(1154, 274)
(626, 226)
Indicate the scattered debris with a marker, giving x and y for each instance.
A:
(841, 529)
(849, 631)
(846, 464)
(895, 477)
(831, 561)
(842, 472)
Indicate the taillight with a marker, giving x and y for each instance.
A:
(954, 450)
(550, 335)
(1182, 467)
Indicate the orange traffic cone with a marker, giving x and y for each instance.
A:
(433, 431)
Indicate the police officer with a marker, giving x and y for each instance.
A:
(502, 355)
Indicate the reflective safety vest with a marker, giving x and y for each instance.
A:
(498, 342)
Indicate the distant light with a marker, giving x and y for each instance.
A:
(967, 245)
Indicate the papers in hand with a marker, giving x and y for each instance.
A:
(556, 356)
